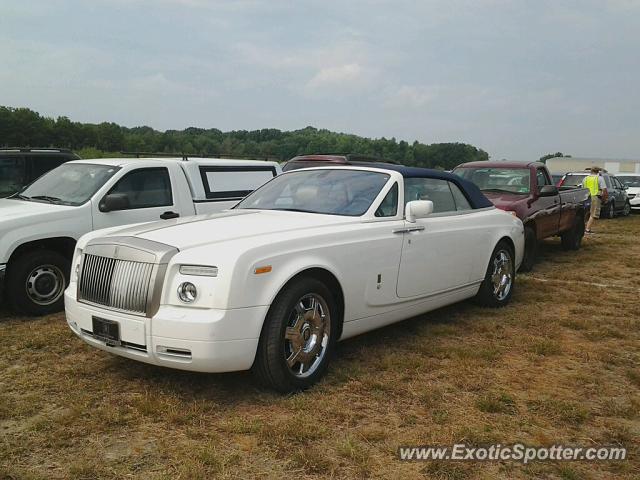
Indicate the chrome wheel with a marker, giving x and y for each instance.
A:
(502, 276)
(306, 335)
(45, 284)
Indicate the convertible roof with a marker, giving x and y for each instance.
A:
(471, 191)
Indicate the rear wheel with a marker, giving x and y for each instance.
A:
(611, 210)
(530, 249)
(572, 239)
(298, 337)
(497, 287)
(36, 282)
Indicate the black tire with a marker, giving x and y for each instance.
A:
(488, 296)
(627, 209)
(572, 239)
(36, 282)
(271, 365)
(611, 210)
(530, 249)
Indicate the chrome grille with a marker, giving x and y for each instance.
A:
(118, 284)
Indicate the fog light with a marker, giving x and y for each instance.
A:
(187, 292)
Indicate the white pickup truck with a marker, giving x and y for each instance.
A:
(40, 225)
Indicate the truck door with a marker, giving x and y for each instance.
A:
(144, 195)
(548, 212)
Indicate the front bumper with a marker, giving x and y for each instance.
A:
(200, 340)
(635, 203)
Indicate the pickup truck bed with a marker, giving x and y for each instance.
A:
(526, 190)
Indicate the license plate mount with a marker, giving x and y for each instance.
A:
(106, 330)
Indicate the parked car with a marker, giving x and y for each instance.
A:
(631, 182)
(618, 202)
(21, 166)
(556, 178)
(313, 256)
(526, 190)
(40, 225)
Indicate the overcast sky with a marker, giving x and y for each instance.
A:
(516, 78)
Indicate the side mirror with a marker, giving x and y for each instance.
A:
(548, 191)
(418, 209)
(114, 201)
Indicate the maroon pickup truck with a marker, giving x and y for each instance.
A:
(526, 190)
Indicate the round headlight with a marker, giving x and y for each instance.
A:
(187, 292)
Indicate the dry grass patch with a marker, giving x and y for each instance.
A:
(560, 364)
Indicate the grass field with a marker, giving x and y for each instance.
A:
(559, 365)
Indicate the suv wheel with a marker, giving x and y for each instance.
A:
(627, 209)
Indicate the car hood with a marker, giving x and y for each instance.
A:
(191, 232)
(504, 200)
(633, 190)
(24, 211)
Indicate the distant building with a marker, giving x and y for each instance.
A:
(561, 165)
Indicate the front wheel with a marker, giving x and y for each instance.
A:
(298, 337)
(36, 282)
(530, 249)
(627, 209)
(498, 284)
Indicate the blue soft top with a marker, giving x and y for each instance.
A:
(471, 191)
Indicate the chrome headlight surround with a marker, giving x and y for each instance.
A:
(187, 292)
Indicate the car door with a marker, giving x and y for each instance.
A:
(439, 251)
(150, 197)
(621, 194)
(547, 217)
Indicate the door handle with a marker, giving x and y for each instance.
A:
(168, 215)
(416, 228)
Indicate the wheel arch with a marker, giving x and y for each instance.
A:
(328, 278)
(62, 245)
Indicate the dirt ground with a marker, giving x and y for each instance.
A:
(559, 365)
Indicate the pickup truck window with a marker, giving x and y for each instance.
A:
(69, 184)
(332, 192)
(509, 180)
(542, 178)
(146, 188)
(234, 182)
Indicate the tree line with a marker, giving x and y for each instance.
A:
(22, 127)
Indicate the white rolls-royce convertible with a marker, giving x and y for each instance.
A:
(312, 257)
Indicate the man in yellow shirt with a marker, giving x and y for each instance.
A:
(598, 189)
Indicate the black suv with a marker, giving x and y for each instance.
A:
(618, 201)
(21, 166)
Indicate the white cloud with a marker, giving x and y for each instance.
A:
(408, 96)
(336, 76)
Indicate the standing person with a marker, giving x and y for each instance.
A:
(598, 189)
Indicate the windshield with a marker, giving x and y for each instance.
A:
(510, 180)
(332, 192)
(573, 180)
(630, 180)
(69, 184)
(12, 175)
